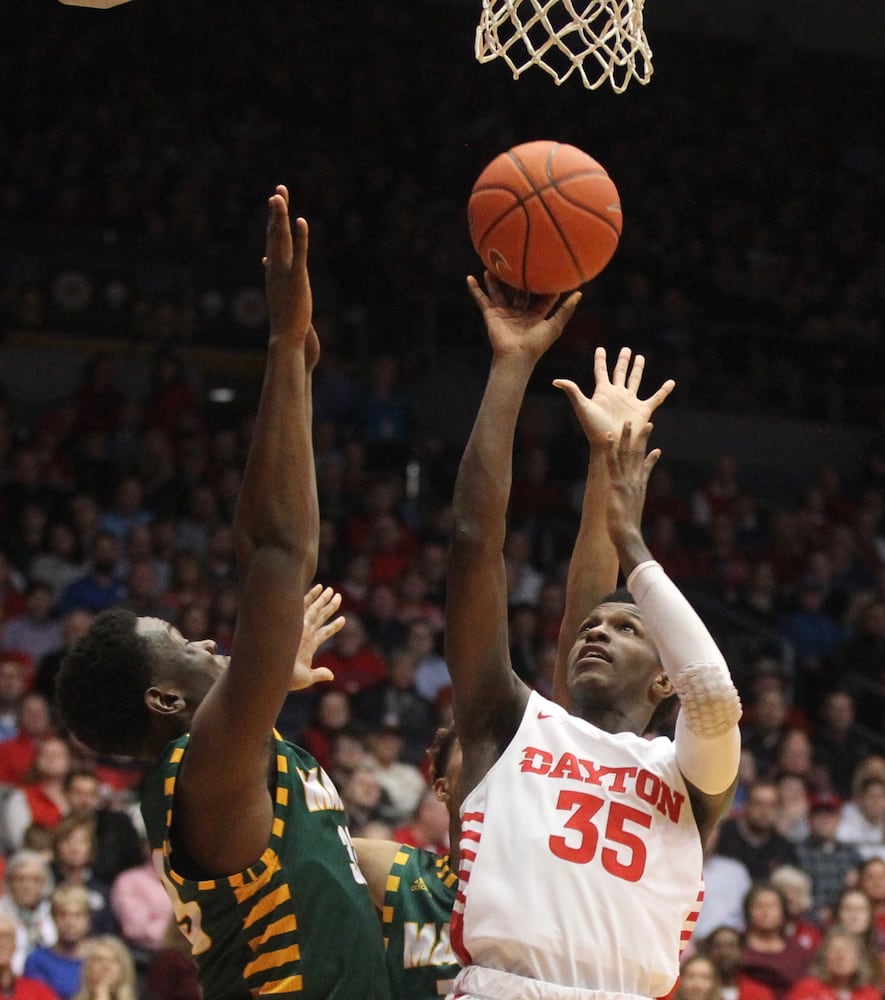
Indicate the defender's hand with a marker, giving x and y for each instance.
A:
(320, 604)
(287, 283)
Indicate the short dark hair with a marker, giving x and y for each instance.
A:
(101, 684)
(619, 596)
(440, 751)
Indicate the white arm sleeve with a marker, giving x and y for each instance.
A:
(708, 742)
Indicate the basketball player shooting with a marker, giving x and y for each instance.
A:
(420, 964)
(600, 828)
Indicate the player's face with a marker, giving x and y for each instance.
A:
(613, 651)
(193, 664)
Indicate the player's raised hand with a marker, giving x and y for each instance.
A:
(321, 604)
(287, 283)
(524, 325)
(629, 468)
(615, 400)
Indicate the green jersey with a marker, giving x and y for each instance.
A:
(418, 900)
(299, 922)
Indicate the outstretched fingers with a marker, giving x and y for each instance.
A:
(564, 312)
(300, 242)
(622, 363)
(320, 603)
(655, 400)
(278, 236)
(571, 389)
(636, 374)
(600, 366)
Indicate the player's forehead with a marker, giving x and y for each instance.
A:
(157, 629)
(611, 609)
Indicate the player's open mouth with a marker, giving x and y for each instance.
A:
(594, 653)
(591, 655)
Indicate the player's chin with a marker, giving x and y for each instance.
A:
(588, 675)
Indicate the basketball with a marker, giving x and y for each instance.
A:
(544, 217)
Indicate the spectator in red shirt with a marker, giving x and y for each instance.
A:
(355, 664)
(429, 827)
(771, 956)
(795, 884)
(332, 716)
(698, 980)
(724, 947)
(12, 986)
(34, 725)
(42, 801)
(391, 547)
(838, 971)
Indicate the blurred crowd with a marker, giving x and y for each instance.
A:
(112, 500)
(751, 269)
(136, 158)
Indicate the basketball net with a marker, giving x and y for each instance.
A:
(599, 39)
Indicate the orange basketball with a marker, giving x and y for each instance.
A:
(544, 217)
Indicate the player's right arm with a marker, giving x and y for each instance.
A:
(488, 697)
(223, 809)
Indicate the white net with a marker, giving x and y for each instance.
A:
(600, 40)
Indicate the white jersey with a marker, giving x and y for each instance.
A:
(580, 863)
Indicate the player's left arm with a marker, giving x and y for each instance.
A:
(707, 738)
(223, 809)
(593, 567)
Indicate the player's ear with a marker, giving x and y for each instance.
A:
(662, 687)
(441, 790)
(163, 702)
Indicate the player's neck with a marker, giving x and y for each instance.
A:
(612, 718)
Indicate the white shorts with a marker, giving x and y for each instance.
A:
(477, 983)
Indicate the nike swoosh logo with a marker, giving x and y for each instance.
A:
(544, 715)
